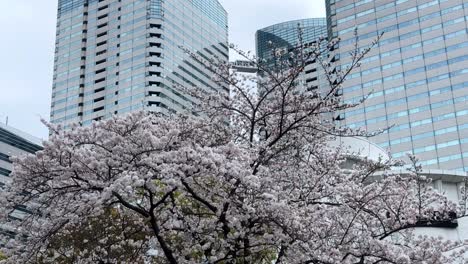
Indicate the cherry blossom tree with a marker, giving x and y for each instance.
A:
(247, 177)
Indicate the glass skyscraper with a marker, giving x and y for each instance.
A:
(116, 56)
(417, 75)
(285, 36)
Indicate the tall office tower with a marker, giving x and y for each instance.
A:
(14, 142)
(416, 76)
(285, 36)
(116, 56)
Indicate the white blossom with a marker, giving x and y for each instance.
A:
(249, 180)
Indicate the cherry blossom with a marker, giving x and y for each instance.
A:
(245, 177)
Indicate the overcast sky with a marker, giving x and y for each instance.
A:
(27, 30)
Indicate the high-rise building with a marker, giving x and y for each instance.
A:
(416, 76)
(14, 142)
(116, 56)
(285, 36)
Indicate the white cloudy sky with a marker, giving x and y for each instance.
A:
(27, 37)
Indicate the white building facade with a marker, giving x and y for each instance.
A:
(117, 56)
(14, 142)
(416, 75)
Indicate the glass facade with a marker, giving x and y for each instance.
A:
(65, 6)
(117, 56)
(285, 36)
(156, 9)
(415, 77)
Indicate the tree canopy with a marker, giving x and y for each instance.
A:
(248, 178)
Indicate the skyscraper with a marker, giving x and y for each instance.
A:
(285, 36)
(416, 76)
(116, 56)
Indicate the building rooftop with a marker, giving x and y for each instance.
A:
(25, 136)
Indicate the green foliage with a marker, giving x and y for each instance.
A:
(109, 231)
